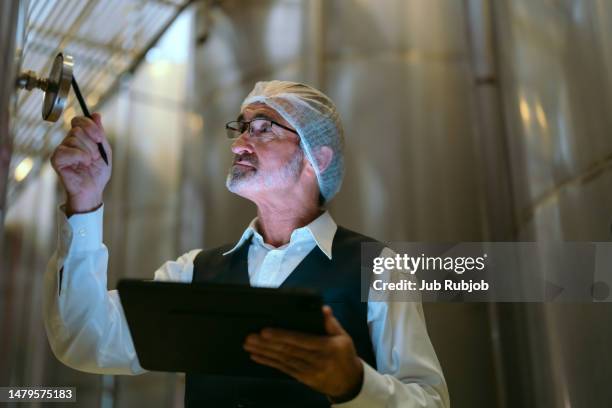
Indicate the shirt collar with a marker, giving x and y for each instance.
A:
(322, 229)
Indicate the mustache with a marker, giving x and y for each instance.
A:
(250, 159)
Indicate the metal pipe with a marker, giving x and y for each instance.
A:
(490, 132)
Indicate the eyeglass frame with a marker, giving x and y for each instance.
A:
(248, 129)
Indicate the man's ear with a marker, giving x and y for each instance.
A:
(323, 156)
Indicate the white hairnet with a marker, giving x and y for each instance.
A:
(313, 115)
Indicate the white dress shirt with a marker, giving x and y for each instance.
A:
(87, 329)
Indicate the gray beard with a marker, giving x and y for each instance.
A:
(238, 177)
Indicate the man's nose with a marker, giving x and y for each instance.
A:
(242, 144)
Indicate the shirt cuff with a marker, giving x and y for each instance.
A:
(374, 391)
(81, 232)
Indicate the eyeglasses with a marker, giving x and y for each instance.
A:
(256, 127)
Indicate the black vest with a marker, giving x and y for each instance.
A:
(339, 281)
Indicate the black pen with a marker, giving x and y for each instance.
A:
(77, 91)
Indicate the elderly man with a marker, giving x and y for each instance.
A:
(288, 160)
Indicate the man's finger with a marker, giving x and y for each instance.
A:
(69, 156)
(281, 349)
(95, 131)
(294, 361)
(332, 325)
(279, 365)
(89, 127)
(78, 140)
(302, 340)
(98, 119)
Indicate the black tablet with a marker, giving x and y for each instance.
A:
(201, 328)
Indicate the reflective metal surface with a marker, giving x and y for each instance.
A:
(557, 89)
(60, 80)
(55, 86)
(10, 38)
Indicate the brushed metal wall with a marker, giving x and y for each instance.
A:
(9, 36)
(12, 13)
(556, 62)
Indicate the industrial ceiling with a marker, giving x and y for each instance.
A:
(107, 38)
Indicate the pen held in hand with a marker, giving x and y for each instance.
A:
(79, 96)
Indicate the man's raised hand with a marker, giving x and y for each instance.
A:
(78, 163)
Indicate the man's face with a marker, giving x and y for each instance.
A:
(268, 163)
